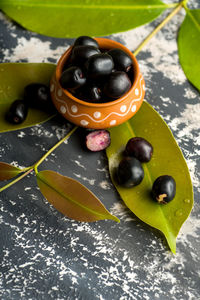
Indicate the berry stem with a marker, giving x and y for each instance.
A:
(30, 169)
(160, 26)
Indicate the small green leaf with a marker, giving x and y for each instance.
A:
(167, 159)
(189, 46)
(65, 18)
(72, 198)
(8, 171)
(13, 78)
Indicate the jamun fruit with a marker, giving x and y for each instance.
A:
(97, 140)
(130, 172)
(80, 54)
(37, 95)
(17, 112)
(117, 85)
(93, 94)
(121, 59)
(164, 189)
(139, 148)
(85, 41)
(72, 78)
(99, 65)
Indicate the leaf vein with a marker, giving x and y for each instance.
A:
(73, 201)
(193, 19)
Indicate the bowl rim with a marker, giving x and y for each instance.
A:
(108, 42)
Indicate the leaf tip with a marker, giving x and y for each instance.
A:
(115, 219)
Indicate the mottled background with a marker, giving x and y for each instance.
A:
(47, 256)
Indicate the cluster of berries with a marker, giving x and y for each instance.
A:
(36, 95)
(130, 171)
(97, 75)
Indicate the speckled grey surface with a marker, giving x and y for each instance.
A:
(47, 256)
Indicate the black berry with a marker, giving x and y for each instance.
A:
(17, 112)
(80, 54)
(37, 95)
(164, 189)
(121, 59)
(99, 65)
(85, 40)
(139, 148)
(92, 93)
(117, 85)
(72, 78)
(130, 172)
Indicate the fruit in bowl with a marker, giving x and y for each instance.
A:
(97, 83)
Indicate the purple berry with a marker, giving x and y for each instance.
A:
(139, 148)
(121, 59)
(72, 78)
(130, 172)
(117, 85)
(85, 41)
(164, 189)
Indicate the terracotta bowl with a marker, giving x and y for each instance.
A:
(98, 115)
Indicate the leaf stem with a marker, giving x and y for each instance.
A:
(161, 25)
(35, 166)
(52, 149)
(30, 169)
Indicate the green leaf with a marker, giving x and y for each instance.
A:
(13, 78)
(189, 46)
(8, 171)
(167, 159)
(65, 18)
(72, 198)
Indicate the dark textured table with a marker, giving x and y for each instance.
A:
(45, 255)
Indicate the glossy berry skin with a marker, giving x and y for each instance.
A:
(72, 78)
(117, 85)
(99, 65)
(121, 59)
(92, 94)
(130, 172)
(80, 54)
(164, 189)
(37, 96)
(85, 41)
(139, 148)
(18, 112)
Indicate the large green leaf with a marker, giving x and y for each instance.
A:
(72, 18)
(13, 78)
(72, 198)
(167, 159)
(8, 171)
(189, 46)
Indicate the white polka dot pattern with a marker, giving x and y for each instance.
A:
(123, 108)
(113, 122)
(74, 108)
(84, 122)
(136, 92)
(97, 114)
(63, 109)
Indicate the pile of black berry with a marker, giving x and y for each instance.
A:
(37, 96)
(96, 75)
(130, 171)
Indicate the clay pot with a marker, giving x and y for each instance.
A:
(98, 115)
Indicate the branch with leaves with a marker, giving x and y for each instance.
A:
(54, 186)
